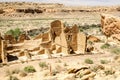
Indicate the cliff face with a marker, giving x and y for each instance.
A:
(16, 8)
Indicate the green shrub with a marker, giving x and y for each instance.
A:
(16, 32)
(65, 64)
(29, 69)
(88, 61)
(86, 26)
(90, 42)
(81, 75)
(115, 51)
(109, 72)
(10, 32)
(105, 46)
(43, 64)
(103, 61)
(66, 24)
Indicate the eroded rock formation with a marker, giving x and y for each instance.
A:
(110, 25)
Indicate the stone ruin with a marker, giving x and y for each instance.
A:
(59, 39)
(3, 46)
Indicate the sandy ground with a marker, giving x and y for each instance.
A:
(70, 61)
(61, 64)
(44, 20)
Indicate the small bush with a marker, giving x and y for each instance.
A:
(29, 69)
(88, 61)
(43, 64)
(15, 71)
(12, 78)
(105, 46)
(103, 61)
(81, 75)
(65, 64)
(10, 32)
(109, 72)
(115, 51)
(90, 42)
(97, 67)
(16, 32)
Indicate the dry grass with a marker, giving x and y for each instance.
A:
(89, 61)
(29, 69)
(43, 65)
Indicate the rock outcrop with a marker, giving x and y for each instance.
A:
(110, 25)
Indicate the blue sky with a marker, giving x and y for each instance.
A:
(74, 2)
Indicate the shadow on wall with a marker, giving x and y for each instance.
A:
(11, 57)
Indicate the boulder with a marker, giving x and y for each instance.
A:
(89, 76)
(68, 77)
(93, 38)
(116, 36)
(110, 25)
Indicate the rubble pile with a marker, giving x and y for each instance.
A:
(83, 73)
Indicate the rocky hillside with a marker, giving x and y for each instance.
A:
(17, 9)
